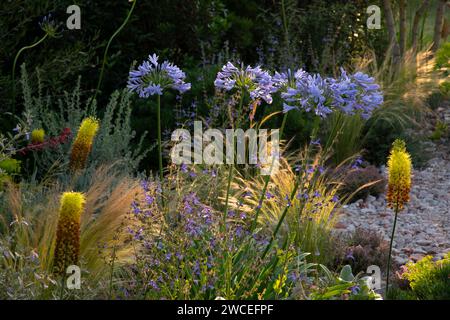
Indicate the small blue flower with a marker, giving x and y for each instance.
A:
(269, 195)
(357, 163)
(135, 208)
(288, 200)
(153, 285)
(355, 289)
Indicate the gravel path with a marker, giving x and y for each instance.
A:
(424, 225)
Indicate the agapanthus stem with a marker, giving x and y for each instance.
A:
(230, 171)
(102, 70)
(161, 173)
(286, 32)
(390, 250)
(14, 68)
(267, 179)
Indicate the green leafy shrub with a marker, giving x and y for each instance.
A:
(440, 131)
(444, 89)
(443, 56)
(10, 166)
(379, 138)
(428, 279)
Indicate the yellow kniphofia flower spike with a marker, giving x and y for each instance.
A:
(399, 173)
(67, 246)
(83, 143)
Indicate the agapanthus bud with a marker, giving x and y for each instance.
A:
(83, 143)
(399, 171)
(37, 136)
(50, 26)
(67, 247)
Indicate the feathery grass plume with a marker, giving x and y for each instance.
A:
(399, 171)
(83, 143)
(399, 185)
(310, 215)
(67, 246)
(37, 136)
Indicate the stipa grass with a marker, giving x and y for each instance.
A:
(311, 214)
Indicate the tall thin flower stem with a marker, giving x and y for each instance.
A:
(286, 31)
(161, 173)
(14, 67)
(267, 179)
(390, 250)
(227, 257)
(230, 172)
(105, 54)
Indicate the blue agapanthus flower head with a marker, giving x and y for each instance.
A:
(310, 93)
(280, 79)
(256, 81)
(152, 77)
(50, 26)
(351, 94)
(357, 93)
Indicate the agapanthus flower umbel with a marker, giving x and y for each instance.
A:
(351, 94)
(311, 93)
(83, 143)
(49, 26)
(357, 93)
(152, 78)
(399, 176)
(67, 246)
(256, 81)
(37, 136)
